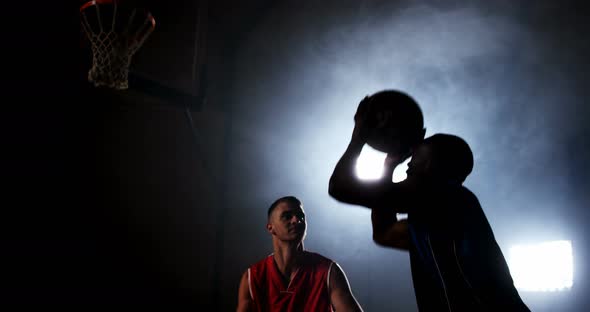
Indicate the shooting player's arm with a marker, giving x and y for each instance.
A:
(389, 232)
(346, 187)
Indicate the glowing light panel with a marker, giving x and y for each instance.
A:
(369, 165)
(546, 266)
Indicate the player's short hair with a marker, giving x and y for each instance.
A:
(288, 199)
(453, 157)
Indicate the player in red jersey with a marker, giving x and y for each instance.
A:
(291, 278)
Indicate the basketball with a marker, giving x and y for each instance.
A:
(395, 120)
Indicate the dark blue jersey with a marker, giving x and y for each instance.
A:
(456, 263)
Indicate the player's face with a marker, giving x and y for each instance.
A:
(288, 222)
(419, 166)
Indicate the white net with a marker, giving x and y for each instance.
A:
(115, 34)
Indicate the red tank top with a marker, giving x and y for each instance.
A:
(307, 291)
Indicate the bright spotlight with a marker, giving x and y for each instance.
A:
(546, 266)
(399, 174)
(369, 165)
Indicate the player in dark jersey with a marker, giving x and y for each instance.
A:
(456, 263)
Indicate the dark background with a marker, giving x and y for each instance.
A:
(164, 193)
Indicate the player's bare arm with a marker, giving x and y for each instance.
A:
(244, 300)
(341, 295)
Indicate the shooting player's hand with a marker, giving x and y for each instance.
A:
(362, 129)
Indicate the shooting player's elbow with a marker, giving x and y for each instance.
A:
(380, 239)
(385, 240)
(334, 190)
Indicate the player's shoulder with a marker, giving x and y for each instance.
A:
(262, 263)
(468, 196)
(316, 258)
(473, 212)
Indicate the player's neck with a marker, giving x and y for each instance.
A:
(287, 257)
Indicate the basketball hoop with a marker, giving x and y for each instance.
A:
(115, 33)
